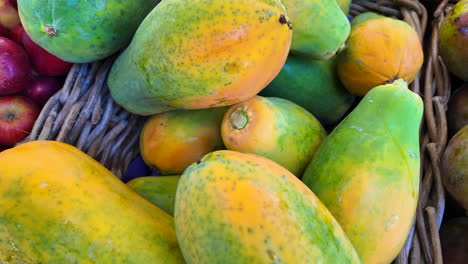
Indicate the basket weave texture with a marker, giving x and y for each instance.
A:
(84, 115)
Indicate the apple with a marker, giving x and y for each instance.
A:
(9, 16)
(15, 70)
(42, 88)
(17, 117)
(4, 32)
(43, 62)
(14, 3)
(2, 148)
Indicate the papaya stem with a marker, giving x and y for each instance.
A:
(284, 20)
(239, 119)
(50, 31)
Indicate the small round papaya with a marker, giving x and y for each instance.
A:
(379, 50)
(274, 128)
(173, 140)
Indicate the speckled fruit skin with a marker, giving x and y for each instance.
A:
(344, 5)
(159, 190)
(86, 31)
(207, 53)
(455, 167)
(379, 50)
(320, 28)
(366, 172)
(453, 40)
(241, 208)
(314, 85)
(173, 140)
(277, 129)
(58, 205)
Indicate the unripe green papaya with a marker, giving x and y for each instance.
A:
(83, 31)
(367, 171)
(320, 28)
(314, 85)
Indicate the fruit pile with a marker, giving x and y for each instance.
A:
(29, 76)
(285, 131)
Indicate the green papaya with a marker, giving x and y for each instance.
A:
(366, 172)
(201, 54)
(314, 85)
(320, 28)
(159, 190)
(82, 31)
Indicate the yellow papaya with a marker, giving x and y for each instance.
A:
(234, 207)
(173, 140)
(379, 50)
(199, 54)
(58, 205)
(274, 128)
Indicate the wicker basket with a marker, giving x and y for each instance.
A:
(83, 114)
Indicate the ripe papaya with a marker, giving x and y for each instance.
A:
(173, 140)
(366, 172)
(379, 50)
(207, 53)
(253, 211)
(82, 31)
(58, 205)
(274, 128)
(320, 28)
(453, 40)
(314, 85)
(159, 190)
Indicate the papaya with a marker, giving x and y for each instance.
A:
(379, 50)
(253, 211)
(320, 28)
(345, 5)
(453, 40)
(83, 31)
(173, 140)
(58, 205)
(366, 171)
(207, 53)
(314, 85)
(274, 128)
(455, 167)
(159, 190)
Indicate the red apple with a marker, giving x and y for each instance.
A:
(44, 62)
(8, 14)
(17, 117)
(42, 88)
(16, 34)
(15, 70)
(14, 3)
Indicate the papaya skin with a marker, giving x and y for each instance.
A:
(379, 50)
(274, 128)
(82, 31)
(345, 5)
(320, 28)
(254, 211)
(455, 167)
(58, 205)
(314, 85)
(159, 190)
(173, 140)
(207, 53)
(366, 172)
(453, 40)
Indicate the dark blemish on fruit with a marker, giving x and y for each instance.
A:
(461, 23)
(250, 230)
(50, 31)
(283, 20)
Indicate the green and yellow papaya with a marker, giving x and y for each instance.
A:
(241, 208)
(58, 205)
(159, 190)
(366, 172)
(83, 31)
(200, 54)
(274, 128)
(314, 85)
